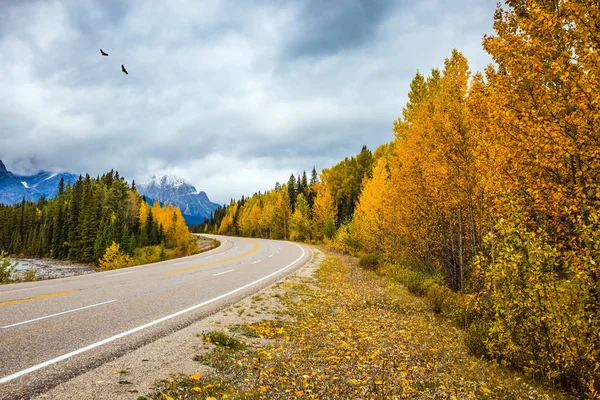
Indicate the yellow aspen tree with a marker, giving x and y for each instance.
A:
(300, 222)
(369, 217)
(324, 213)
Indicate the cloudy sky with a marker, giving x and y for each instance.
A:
(231, 95)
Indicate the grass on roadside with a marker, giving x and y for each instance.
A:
(354, 334)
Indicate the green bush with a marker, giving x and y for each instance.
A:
(368, 261)
(475, 338)
(442, 298)
(462, 316)
(418, 283)
(6, 268)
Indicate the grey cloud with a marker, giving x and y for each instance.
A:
(326, 27)
(233, 96)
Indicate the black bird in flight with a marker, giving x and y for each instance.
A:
(103, 53)
(124, 70)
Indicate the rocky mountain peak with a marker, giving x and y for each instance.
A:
(175, 190)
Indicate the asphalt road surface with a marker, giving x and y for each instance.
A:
(51, 331)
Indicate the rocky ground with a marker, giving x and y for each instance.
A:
(51, 269)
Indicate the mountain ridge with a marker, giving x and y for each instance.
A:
(195, 205)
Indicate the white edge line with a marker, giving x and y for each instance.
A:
(20, 290)
(141, 327)
(224, 272)
(57, 314)
(120, 273)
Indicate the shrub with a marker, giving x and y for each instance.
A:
(223, 339)
(463, 316)
(6, 268)
(114, 259)
(441, 297)
(368, 261)
(542, 303)
(29, 275)
(417, 282)
(475, 338)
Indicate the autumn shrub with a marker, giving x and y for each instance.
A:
(114, 259)
(368, 261)
(476, 337)
(343, 240)
(29, 275)
(146, 255)
(461, 315)
(6, 268)
(417, 282)
(539, 305)
(441, 298)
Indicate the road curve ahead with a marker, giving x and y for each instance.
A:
(53, 330)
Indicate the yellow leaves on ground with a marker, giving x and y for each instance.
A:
(355, 335)
(195, 377)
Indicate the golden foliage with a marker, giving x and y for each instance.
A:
(324, 213)
(114, 259)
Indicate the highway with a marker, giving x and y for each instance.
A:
(53, 330)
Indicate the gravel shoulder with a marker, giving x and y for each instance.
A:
(136, 373)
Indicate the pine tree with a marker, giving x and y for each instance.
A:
(314, 178)
(74, 227)
(292, 190)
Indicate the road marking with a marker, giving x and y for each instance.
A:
(271, 255)
(224, 272)
(20, 290)
(210, 256)
(120, 273)
(149, 324)
(176, 271)
(257, 261)
(179, 263)
(5, 303)
(54, 315)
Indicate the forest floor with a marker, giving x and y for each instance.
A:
(333, 330)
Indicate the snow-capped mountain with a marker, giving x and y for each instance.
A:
(194, 205)
(45, 183)
(14, 188)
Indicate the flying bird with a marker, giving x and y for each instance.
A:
(124, 70)
(103, 53)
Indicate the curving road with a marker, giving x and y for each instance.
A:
(53, 330)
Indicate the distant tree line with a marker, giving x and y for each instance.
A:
(85, 218)
(301, 209)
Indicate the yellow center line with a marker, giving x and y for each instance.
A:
(256, 246)
(43, 296)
